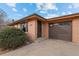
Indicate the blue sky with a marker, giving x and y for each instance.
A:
(47, 10)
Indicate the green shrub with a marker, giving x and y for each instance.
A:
(11, 38)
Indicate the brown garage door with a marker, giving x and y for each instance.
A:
(60, 31)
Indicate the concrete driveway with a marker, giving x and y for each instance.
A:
(47, 48)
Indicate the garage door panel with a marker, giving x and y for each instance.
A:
(60, 31)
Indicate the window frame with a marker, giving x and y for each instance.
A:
(25, 25)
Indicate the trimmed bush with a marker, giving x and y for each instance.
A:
(11, 38)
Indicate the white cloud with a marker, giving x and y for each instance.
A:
(14, 9)
(43, 11)
(46, 6)
(69, 12)
(31, 3)
(50, 6)
(51, 16)
(74, 5)
(63, 13)
(70, 6)
(19, 15)
(24, 9)
(11, 4)
(39, 6)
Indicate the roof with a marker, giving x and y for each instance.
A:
(61, 18)
(27, 18)
(64, 18)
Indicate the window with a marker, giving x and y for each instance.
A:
(24, 27)
(65, 24)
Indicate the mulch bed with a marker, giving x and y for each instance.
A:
(3, 51)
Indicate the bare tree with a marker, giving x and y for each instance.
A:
(3, 17)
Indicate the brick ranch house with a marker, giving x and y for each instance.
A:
(63, 27)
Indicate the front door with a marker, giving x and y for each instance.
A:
(39, 29)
